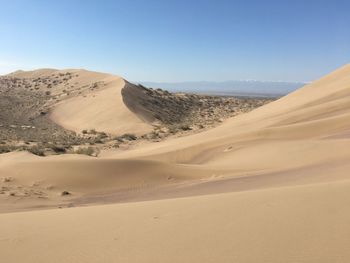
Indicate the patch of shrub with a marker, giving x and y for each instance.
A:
(93, 131)
(37, 150)
(58, 149)
(102, 135)
(126, 137)
(173, 129)
(185, 128)
(90, 151)
(5, 149)
(153, 135)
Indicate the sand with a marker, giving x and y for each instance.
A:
(293, 224)
(268, 186)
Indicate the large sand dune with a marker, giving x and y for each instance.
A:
(103, 110)
(273, 185)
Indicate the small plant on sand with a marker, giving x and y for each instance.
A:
(92, 131)
(90, 151)
(59, 149)
(126, 137)
(37, 150)
(185, 127)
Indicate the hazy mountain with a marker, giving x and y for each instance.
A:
(238, 87)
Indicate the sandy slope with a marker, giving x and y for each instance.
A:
(102, 110)
(295, 224)
(295, 151)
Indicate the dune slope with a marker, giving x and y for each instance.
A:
(296, 224)
(103, 110)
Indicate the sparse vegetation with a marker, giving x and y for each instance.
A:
(5, 149)
(92, 131)
(28, 126)
(90, 151)
(37, 150)
(126, 137)
(58, 149)
(185, 127)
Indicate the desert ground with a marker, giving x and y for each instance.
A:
(97, 169)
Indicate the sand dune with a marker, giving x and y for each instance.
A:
(103, 110)
(282, 171)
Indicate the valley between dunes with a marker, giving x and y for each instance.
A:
(270, 185)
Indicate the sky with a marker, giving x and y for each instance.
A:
(177, 40)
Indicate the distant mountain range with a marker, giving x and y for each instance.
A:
(236, 87)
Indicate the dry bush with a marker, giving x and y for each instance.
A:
(126, 137)
(37, 150)
(90, 151)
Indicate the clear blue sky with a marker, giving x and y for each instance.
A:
(178, 40)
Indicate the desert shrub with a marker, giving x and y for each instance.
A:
(153, 135)
(90, 151)
(126, 137)
(93, 131)
(98, 140)
(185, 128)
(130, 137)
(58, 149)
(102, 135)
(84, 131)
(172, 129)
(5, 149)
(37, 150)
(118, 138)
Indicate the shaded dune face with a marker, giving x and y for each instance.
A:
(156, 105)
(133, 97)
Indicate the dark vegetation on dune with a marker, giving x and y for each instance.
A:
(25, 105)
(181, 110)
